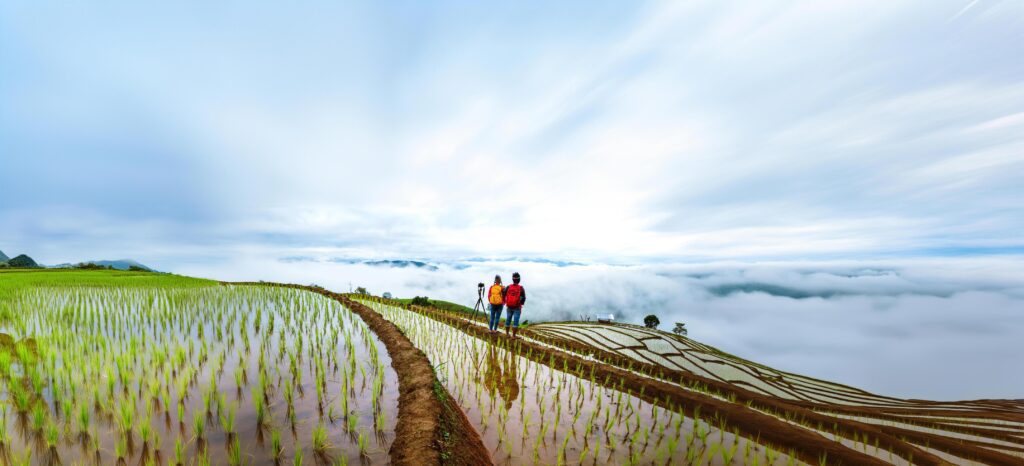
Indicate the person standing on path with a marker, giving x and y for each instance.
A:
(496, 298)
(515, 298)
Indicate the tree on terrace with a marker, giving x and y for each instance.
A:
(652, 321)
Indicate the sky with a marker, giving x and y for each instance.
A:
(223, 138)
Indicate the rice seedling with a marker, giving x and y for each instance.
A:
(320, 441)
(52, 435)
(179, 452)
(235, 453)
(275, 444)
(120, 448)
(362, 444)
(199, 425)
(227, 421)
(40, 415)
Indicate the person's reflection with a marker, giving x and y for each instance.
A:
(501, 376)
(492, 371)
(510, 381)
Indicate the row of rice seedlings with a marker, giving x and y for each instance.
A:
(148, 349)
(568, 417)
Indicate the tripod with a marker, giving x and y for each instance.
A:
(479, 300)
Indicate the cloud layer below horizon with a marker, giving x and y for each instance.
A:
(926, 329)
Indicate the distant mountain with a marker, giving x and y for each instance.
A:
(393, 263)
(434, 265)
(536, 260)
(3, 257)
(22, 261)
(120, 264)
(401, 264)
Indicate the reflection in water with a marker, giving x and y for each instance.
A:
(500, 376)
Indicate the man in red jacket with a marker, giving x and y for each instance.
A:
(515, 297)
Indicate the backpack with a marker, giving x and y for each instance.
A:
(494, 295)
(513, 295)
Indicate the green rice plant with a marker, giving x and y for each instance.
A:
(5, 436)
(227, 421)
(179, 452)
(120, 447)
(235, 453)
(40, 414)
(126, 414)
(145, 431)
(297, 459)
(239, 376)
(362, 445)
(729, 453)
(207, 399)
(259, 406)
(83, 418)
(275, 443)
(22, 399)
(52, 435)
(198, 425)
(320, 441)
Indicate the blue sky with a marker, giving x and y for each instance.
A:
(851, 172)
(598, 131)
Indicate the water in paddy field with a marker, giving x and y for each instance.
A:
(529, 413)
(156, 360)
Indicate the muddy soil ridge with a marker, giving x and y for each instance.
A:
(431, 428)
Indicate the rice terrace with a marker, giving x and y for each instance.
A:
(136, 367)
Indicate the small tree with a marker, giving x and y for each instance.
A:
(680, 329)
(361, 290)
(386, 295)
(651, 321)
(420, 301)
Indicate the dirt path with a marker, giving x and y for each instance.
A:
(431, 428)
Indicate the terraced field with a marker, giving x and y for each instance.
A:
(879, 429)
(140, 368)
(991, 425)
(530, 410)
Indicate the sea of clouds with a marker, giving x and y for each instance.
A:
(930, 329)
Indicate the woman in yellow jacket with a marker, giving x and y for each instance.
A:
(496, 298)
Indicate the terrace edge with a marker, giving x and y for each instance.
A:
(431, 428)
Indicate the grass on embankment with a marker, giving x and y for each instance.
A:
(15, 280)
(468, 311)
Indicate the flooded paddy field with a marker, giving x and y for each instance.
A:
(824, 423)
(529, 412)
(168, 370)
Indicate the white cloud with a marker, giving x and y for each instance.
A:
(918, 329)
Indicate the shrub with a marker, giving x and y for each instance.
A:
(420, 301)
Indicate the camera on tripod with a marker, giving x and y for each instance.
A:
(479, 298)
